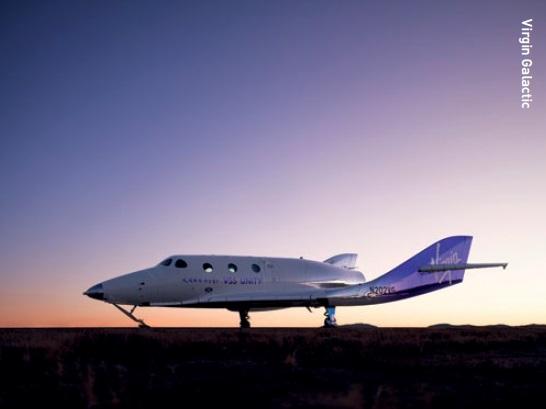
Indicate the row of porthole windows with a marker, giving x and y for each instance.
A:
(207, 267)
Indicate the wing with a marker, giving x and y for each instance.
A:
(252, 300)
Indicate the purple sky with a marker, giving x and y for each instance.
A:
(135, 130)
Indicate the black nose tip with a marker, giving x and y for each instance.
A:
(95, 292)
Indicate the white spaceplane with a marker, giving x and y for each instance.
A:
(249, 283)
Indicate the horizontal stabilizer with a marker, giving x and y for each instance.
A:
(449, 267)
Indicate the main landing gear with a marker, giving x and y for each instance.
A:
(330, 320)
(141, 323)
(244, 317)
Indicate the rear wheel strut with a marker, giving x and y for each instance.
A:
(244, 319)
(330, 320)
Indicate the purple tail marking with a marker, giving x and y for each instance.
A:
(406, 281)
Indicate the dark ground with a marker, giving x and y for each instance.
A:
(348, 367)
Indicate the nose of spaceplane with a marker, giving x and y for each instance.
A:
(95, 292)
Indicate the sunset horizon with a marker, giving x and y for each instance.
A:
(132, 132)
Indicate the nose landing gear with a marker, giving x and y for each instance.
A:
(141, 323)
(330, 320)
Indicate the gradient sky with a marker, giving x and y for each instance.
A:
(134, 130)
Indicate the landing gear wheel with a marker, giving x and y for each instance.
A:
(328, 324)
(330, 320)
(243, 315)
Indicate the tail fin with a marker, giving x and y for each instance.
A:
(411, 277)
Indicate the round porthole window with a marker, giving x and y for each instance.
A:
(181, 263)
(232, 268)
(256, 268)
(207, 267)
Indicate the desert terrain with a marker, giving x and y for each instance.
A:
(348, 367)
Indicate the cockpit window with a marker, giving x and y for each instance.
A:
(181, 263)
(207, 267)
(166, 262)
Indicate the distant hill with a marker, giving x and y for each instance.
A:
(358, 326)
(498, 326)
